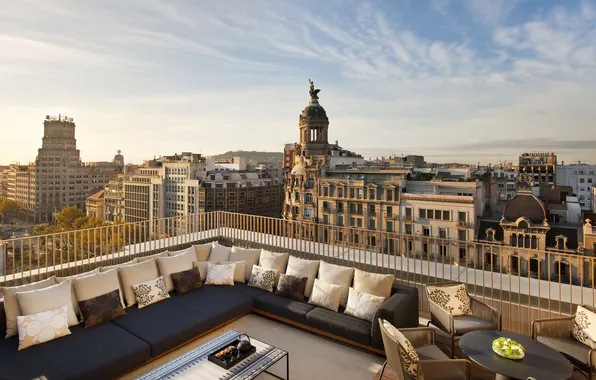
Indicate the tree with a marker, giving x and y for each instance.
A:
(8, 209)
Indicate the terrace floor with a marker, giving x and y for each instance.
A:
(311, 357)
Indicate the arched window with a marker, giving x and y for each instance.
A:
(523, 225)
(308, 198)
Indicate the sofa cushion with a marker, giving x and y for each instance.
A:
(438, 372)
(401, 310)
(174, 264)
(164, 325)
(50, 298)
(26, 364)
(283, 307)
(342, 325)
(218, 303)
(219, 252)
(249, 256)
(248, 291)
(376, 284)
(98, 284)
(466, 323)
(135, 274)
(42, 327)
(575, 351)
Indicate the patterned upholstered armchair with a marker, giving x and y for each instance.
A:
(453, 311)
(566, 336)
(412, 353)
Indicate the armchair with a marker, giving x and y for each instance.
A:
(480, 317)
(557, 333)
(430, 362)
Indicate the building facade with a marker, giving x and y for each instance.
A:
(542, 167)
(582, 178)
(94, 205)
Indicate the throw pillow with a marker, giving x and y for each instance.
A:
(584, 326)
(220, 274)
(75, 304)
(12, 309)
(98, 284)
(274, 260)
(136, 274)
(151, 257)
(174, 264)
(101, 309)
(219, 252)
(326, 295)
(304, 268)
(150, 292)
(239, 269)
(363, 305)
(262, 278)
(182, 251)
(202, 267)
(338, 275)
(373, 283)
(407, 352)
(42, 327)
(291, 287)
(453, 299)
(187, 280)
(250, 256)
(50, 298)
(115, 266)
(202, 251)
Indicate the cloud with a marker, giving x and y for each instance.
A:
(490, 12)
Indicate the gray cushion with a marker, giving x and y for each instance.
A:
(342, 325)
(441, 371)
(431, 353)
(249, 291)
(219, 303)
(401, 310)
(575, 351)
(466, 323)
(283, 307)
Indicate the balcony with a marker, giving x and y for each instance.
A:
(483, 267)
(462, 224)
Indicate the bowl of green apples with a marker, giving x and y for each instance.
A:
(508, 348)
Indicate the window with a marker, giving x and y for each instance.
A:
(325, 219)
(389, 226)
(446, 215)
(371, 209)
(326, 191)
(360, 193)
(425, 231)
(389, 211)
(371, 224)
(582, 180)
(359, 222)
(308, 212)
(422, 213)
(297, 197)
(389, 195)
(340, 192)
(462, 235)
(430, 214)
(340, 220)
(409, 213)
(534, 264)
(352, 222)
(325, 205)
(409, 229)
(352, 193)
(461, 216)
(371, 194)
(442, 233)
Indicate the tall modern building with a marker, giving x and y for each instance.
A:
(582, 178)
(540, 166)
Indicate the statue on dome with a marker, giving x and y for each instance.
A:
(313, 93)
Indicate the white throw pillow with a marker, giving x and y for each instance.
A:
(363, 305)
(175, 264)
(326, 295)
(98, 284)
(219, 252)
(250, 256)
(50, 298)
(42, 327)
(203, 251)
(274, 260)
(452, 299)
(150, 292)
(135, 274)
(338, 275)
(239, 269)
(152, 257)
(304, 268)
(220, 274)
(182, 251)
(584, 326)
(263, 278)
(373, 283)
(110, 267)
(75, 304)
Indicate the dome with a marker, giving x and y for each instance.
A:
(525, 204)
(314, 110)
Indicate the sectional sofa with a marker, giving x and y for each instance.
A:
(112, 349)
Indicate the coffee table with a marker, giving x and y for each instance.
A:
(194, 365)
(540, 362)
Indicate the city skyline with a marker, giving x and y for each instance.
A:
(453, 81)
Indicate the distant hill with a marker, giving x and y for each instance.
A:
(254, 156)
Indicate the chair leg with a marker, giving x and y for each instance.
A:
(452, 347)
(382, 370)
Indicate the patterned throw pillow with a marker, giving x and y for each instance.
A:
(453, 299)
(102, 309)
(291, 287)
(407, 353)
(220, 274)
(363, 305)
(187, 280)
(584, 326)
(42, 327)
(150, 292)
(262, 278)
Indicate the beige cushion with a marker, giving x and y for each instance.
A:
(135, 274)
(175, 264)
(202, 265)
(453, 299)
(250, 256)
(262, 278)
(181, 251)
(274, 260)
(75, 304)
(239, 269)
(203, 251)
(339, 275)
(373, 283)
(219, 252)
(12, 309)
(98, 284)
(110, 267)
(363, 305)
(151, 257)
(220, 274)
(150, 292)
(326, 295)
(42, 327)
(407, 353)
(50, 298)
(584, 325)
(304, 268)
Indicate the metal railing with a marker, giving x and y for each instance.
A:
(524, 284)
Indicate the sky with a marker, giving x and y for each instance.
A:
(454, 80)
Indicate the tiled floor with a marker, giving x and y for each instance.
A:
(311, 357)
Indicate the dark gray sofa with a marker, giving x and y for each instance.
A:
(128, 342)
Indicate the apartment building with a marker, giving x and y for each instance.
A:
(582, 178)
(542, 167)
(94, 205)
(20, 185)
